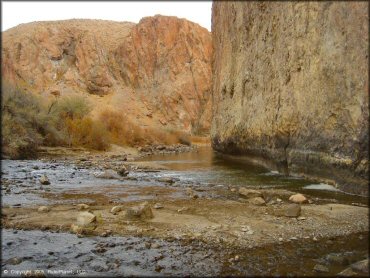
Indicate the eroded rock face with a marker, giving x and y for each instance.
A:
(290, 85)
(157, 71)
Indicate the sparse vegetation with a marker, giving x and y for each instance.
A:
(29, 121)
(23, 123)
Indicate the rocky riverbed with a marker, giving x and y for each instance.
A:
(126, 213)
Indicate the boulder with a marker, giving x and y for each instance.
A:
(140, 212)
(85, 218)
(44, 180)
(82, 206)
(257, 201)
(249, 193)
(298, 198)
(116, 209)
(43, 209)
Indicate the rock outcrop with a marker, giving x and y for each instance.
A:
(290, 85)
(157, 72)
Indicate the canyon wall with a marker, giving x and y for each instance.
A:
(290, 87)
(156, 72)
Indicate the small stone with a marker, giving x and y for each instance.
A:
(148, 245)
(236, 258)
(140, 212)
(292, 210)
(301, 218)
(158, 268)
(279, 200)
(82, 206)
(107, 174)
(155, 245)
(298, 198)
(347, 272)
(320, 268)
(257, 201)
(314, 239)
(166, 180)
(233, 189)
(158, 206)
(116, 209)
(14, 261)
(43, 209)
(76, 229)
(249, 193)
(123, 171)
(44, 180)
(182, 209)
(280, 239)
(85, 218)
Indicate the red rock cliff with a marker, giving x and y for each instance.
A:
(157, 71)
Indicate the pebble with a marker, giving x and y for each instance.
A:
(158, 206)
(43, 209)
(82, 206)
(320, 268)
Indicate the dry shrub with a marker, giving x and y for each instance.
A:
(123, 131)
(86, 132)
(22, 123)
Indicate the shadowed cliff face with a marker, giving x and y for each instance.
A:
(290, 83)
(158, 71)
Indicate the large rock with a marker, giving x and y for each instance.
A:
(249, 193)
(141, 212)
(287, 94)
(156, 72)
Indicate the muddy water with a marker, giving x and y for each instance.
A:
(56, 254)
(206, 167)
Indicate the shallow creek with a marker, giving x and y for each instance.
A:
(60, 253)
